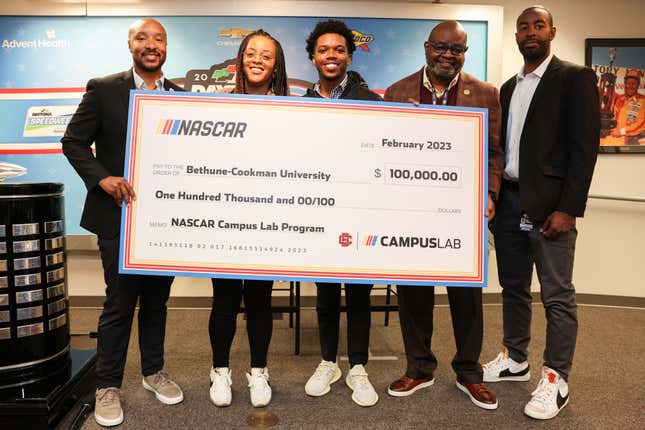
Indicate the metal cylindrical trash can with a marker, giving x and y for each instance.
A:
(34, 329)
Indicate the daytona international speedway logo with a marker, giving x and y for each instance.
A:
(47, 121)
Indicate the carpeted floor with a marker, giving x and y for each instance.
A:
(606, 390)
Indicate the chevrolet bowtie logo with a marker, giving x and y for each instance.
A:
(362, 40)
(235, 33)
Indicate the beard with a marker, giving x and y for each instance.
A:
(536, 53)
(443, 73)
(138, 61)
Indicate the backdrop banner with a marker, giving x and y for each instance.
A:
(46, 62)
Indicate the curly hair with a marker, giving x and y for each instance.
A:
(279, 84)
(330, 26)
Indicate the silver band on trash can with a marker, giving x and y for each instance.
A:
(29, 296)
(53, 226)
(29, 313)
(26, 263)
(54, 259)
(25, 229)
(26, 246)
(31, 329)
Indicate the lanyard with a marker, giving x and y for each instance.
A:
(444, 100)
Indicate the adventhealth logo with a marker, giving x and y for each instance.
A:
(187, 127)
(49, 41)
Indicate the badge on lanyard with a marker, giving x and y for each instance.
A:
(525, 223)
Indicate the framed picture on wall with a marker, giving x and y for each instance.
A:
(620, 66)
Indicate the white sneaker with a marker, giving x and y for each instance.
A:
(364, 393)
(259, 387)
(320, 382)
(550, 396)
(220, 391)
(504, 368)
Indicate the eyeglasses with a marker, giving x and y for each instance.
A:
(252, 55)
(441, 48)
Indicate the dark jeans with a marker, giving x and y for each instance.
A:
(416, 306)
(357, 299)
(227, 295)
(115, 322)
(517, 251)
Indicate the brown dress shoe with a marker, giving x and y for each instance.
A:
(404, 386)
(479, 395)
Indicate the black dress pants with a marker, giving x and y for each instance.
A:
(357, 299)
(416, 306)
(227, 295)
(115, 322)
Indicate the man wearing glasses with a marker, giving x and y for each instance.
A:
(441, 82)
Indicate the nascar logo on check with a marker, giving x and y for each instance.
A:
(187, 127)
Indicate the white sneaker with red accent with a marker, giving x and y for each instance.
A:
(550, 396)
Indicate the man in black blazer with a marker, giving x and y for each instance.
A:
(551, 131)
(101, 118)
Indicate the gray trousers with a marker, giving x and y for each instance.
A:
(517, 252)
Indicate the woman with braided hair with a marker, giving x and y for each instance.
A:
(261, 71)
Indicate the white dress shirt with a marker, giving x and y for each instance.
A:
(517, 110)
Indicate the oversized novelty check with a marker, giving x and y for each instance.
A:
(305, 189)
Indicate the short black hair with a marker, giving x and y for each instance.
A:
(330, 26)
(537, 6)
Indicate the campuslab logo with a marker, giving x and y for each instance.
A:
(361, 40)
(400, 241)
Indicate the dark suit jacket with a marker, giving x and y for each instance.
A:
(102, 117)
(559, 142)
(472, 93)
